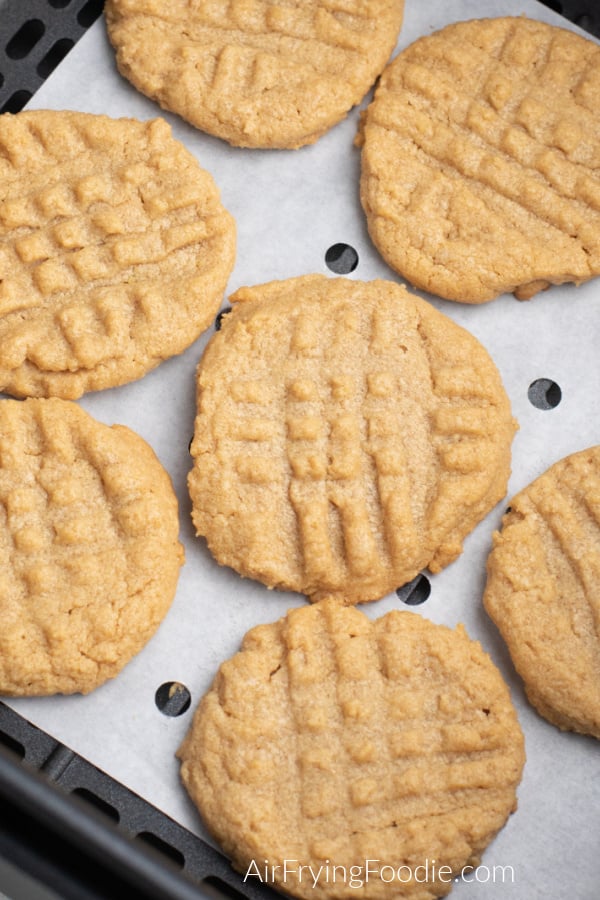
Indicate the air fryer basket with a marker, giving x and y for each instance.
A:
(62, 819)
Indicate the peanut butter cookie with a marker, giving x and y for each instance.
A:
(334, 753)
(348, 435)
(89, 551)
(480, 160)
(542, 590)
(258, 73)
(114, 251)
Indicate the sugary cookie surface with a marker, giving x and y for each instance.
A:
(330, 740)
(542, 590)
(114, 251)
(348, 435)
(89, 550)
(480, 160)
(257, 73)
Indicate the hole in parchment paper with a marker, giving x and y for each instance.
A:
(544, 393)
(88, 14)
(218, 889)
(16, 101)
(107, 809)
(54, 56)
(415, 592)
(172, 853)
(341, 259)
(172, 698)
(219, 319)
(1, 79)
(25, 39)
(59, 4)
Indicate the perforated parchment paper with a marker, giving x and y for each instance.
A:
(290, 207)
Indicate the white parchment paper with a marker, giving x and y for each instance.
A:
(290, 206)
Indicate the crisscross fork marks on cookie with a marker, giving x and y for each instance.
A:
(89, 545)
(364, 711)
(253, 461)
(541, 590)
(371, 432)
(262, 24)
(513, 164)
(102, 229)
(572, 515)
(510, 87)
(466, 412)
(483, 121)
(255, 72)
(53, 543)
(94, 237)
(58, 492)
(338, 447)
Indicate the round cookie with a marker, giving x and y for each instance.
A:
(348, 435)
(542, 590)
(338, 743)
(114, 251)
(89, 551)
(480, 160)
(257, 73)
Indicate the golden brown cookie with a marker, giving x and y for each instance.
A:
(480, 160)
(258, 73)
(543, 590)
(114, 251)
(331, 740)
(89, 551)
(348, 435)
